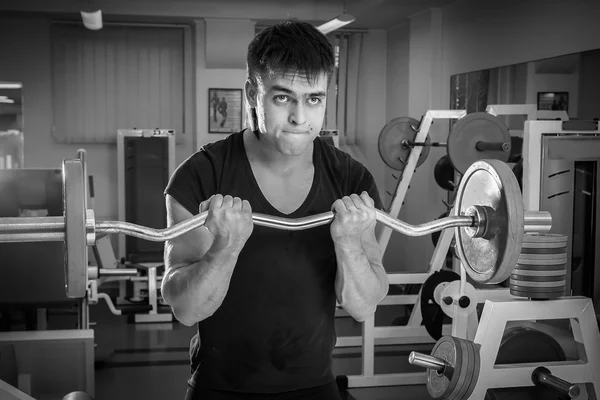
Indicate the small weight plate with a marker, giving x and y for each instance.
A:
(543, 250)
(439, 386)
(475, 369)
(537, 295)
(541, 262)
(516, 149)
(473, 128)
(542, 267)
(556, 258)
(431, 312)
(545, 238)
(544, 245)
(521, 288)
(464, 370)
(535, 285)
(75, 245)
(390, 142)
(537, 278)
(443, 173)
(542, 256)
(524, 272)
(491, 183)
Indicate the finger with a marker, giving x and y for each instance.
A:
(246, 205)
(237, 203)
(367, 199)
(205, 204)
(216, 202)
(348, 203)
(338, 206)
(227, 201)
(357, 201)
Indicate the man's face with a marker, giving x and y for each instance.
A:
(289, 109)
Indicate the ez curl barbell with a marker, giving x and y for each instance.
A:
(489, 222)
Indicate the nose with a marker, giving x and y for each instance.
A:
(297, 114)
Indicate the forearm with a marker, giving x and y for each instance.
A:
(195, 291)
(359, 284)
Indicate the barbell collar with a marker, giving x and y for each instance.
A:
(426, 361)
(492, 146)
(537, 221)
(542, 376)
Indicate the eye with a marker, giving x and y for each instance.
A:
(281, 98)
(314, 101)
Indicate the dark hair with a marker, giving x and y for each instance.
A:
(290, 47)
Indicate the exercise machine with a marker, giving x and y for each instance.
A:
(146, 161)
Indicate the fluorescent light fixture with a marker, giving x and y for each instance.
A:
(7, 101)
(10, 85)
(92, 20)
(336, 23)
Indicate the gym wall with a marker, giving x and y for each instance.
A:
(27, 59)
(467, 35)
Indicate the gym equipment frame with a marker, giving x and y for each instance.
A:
(152, 280)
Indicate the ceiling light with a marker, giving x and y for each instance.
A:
(92, 20)
(336, 23)
(9, 85)
(7, 101)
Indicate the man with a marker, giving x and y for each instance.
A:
(264, 298)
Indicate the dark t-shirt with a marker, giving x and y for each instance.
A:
(274, 331)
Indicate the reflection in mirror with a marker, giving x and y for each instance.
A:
(11, 125)
(570, 82)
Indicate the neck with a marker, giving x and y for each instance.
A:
(260, 151)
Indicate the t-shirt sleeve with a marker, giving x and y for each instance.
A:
(193, 182)
(363, 181)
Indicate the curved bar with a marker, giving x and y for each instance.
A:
(161, 235)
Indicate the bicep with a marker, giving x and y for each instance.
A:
(189, 247)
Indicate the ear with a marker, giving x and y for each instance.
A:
(251, 93)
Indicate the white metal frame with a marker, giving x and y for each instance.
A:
(532, 157)
(464, 322)
(154, 315)
(530, 110)
(494, 319)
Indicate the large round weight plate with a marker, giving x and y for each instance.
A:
(390, 142)
(526, 345)
(473, 128)
(491, 183)
(75, 244)
(431, 312)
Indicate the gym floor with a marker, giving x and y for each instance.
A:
(150, 361)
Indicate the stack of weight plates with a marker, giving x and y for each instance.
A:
(541, 271)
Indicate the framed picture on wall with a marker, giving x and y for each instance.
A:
(225, 110)
(553, 101)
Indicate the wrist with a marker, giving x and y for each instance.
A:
(348, 244)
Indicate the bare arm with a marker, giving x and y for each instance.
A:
(198, 268)
(361, 281)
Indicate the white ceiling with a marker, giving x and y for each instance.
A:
(370, 14)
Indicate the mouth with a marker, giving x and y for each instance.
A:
(295, 132)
